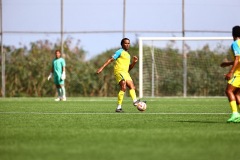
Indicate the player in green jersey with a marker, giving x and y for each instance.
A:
(59, 75)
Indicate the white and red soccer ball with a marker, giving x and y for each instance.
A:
(141, 106)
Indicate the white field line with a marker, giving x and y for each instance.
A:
(102, 113)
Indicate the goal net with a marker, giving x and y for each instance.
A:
(182, 66)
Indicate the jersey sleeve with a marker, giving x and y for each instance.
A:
(236, 48)
(117, 54)
(63, 63)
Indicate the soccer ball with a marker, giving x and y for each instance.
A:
(141, 106)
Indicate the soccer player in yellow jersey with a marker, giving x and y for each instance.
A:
(121, 71)
(233, 76)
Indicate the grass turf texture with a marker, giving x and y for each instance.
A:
(88, 129)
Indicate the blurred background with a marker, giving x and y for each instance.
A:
(89, 31)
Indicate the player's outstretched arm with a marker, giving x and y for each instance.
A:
(105, 64)
(135, 59)
(225, 64)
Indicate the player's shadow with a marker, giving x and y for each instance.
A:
(199, 121)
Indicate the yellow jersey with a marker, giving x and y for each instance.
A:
(122, 61)
(236, 52)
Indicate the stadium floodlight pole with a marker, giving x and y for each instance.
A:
(62, 26)
(184, 53)
(2, 53)
(124, 17)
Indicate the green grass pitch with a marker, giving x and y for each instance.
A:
(89, 129)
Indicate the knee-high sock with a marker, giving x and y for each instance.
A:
(233, 106)
(133, 95)
(120, 97)
(63, 91)
(59, 90)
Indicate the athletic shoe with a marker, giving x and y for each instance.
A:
(237, 120)
(64, 99)
(135, 103)
(58, 99)
(233, 117)
(119, 110)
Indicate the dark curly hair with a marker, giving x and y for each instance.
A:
(122, 41)
(236, 31)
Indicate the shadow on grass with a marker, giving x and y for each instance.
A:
(200, 122)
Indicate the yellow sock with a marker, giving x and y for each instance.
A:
(233, 105)
(133, 94)
(120, 97)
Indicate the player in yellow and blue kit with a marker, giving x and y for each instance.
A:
(233, 76)
(121, 72)
(59, 75)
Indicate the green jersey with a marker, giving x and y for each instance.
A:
(57, 65)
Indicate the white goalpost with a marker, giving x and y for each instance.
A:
(155, 64)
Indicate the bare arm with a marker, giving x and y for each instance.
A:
(225, 64)
(135, 59)
(234, 65)
(105, 64)
(51, 71)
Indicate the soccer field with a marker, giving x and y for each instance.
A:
(89, 128)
